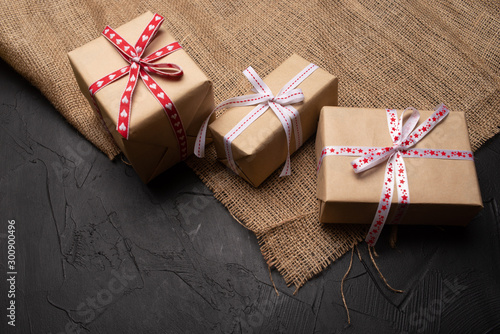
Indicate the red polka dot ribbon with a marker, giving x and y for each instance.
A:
(395, 172)
(280, 104)
(139, 67)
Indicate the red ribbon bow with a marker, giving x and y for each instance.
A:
(139, 67)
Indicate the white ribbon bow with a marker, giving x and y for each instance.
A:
(403, 138)
(264, 99)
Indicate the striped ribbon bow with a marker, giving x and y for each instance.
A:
(395, 172)
(281, 105)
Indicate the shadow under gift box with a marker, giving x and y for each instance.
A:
(262, 147)
(152, 145)
(442, 192)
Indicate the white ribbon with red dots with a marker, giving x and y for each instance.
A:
(138, 68)
(280, 104)
(403, 139)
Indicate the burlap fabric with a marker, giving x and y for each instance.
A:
(386, 54)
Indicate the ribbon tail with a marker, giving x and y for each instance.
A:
(287, 168)
(123, 124)
(294, 117)
(296, 125)
(403, 189)
(384, 204)
(199, 145)
(286, 122)
(229, 154)
(170, 110)
(103, 82)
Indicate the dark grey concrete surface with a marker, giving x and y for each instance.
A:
(97, 251)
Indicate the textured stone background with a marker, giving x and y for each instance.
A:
(99, 252)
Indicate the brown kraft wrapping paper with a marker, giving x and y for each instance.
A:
(442, 192)
(262, 147)
(152, 145)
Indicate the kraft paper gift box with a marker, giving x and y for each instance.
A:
(262, 147)
(152, 145)
(442, 192)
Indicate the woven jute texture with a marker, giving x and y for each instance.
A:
(385, 53)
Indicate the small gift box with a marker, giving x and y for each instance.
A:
(377, 166)
(260, 130)
(151, 95)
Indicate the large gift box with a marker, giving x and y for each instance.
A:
(424, 175)
(262, 144)
(151, 95)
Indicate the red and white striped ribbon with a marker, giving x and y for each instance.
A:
(403, 139)
(139, 68)
(281, 105)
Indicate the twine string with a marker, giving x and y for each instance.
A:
(342, 286)
(371, 251)
(272, 281)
